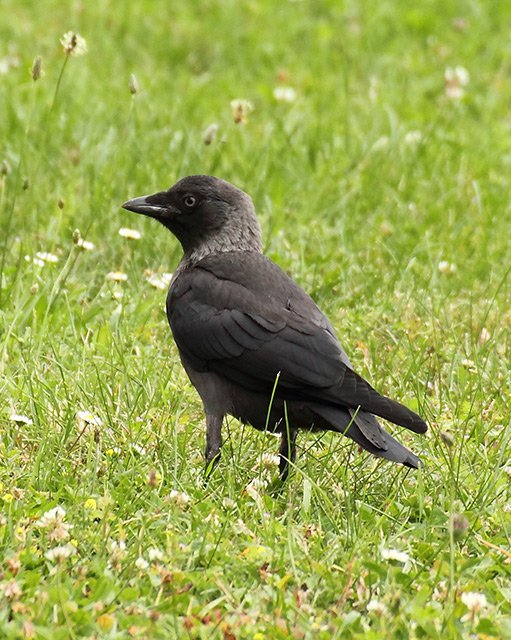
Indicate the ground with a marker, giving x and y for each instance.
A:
(375, 141)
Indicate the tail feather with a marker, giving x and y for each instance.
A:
(395, 451)
(355, 391)
(365, 430)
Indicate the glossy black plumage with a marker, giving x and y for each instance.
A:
(240, 324)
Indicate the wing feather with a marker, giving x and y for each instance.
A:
(238, 319)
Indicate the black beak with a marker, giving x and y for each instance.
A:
(141, 205)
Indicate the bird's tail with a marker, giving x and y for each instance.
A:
(361, 393)
(365, 430)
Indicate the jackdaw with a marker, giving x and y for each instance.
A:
(252, 342)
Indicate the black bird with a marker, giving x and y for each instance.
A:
(253, 343)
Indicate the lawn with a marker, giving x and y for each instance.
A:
(376, 144)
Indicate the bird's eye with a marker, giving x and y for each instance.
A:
(190, 201)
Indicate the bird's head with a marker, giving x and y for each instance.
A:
(206, 214)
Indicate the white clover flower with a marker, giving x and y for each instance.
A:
(36, 261)
(20, 419)
(89, 418)
(240, 527)
(141, 564)
(395, 554)
(156, 281)
(455, 79)
(269, 460)
(117, 551)
(313, 530)
(179, 497)
(213, 518)
(58, 554)
(86, 245)
(9, 62)
(53, 521)
(48, 518)
(468, 364)
(446, 268)
(284, 94)
(45, 256)
(376, 607)
(130, 234)
(154, 554)
(240, 110)
(474, 601)
(11, 590)
(74, 44)
(440, 591)
(229, 503)
(255, 488)
(116, 276)
(460, 74)
(484, 336)
(117, 545)
(413, 137)
(140, 450)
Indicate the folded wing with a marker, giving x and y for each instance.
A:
(241, 316)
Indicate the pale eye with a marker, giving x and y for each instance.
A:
(190, 201)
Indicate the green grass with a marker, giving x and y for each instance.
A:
(360, 214)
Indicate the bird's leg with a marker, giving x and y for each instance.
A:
(287, 451)
(213, 440)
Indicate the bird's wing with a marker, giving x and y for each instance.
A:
(240, 315)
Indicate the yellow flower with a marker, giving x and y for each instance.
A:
(8, 498)
(106, 622)
(90, 504)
